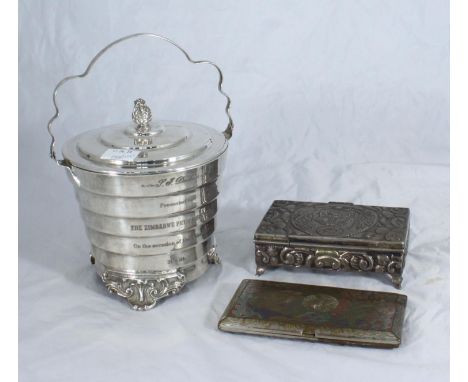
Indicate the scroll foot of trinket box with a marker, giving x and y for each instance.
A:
(333, 236)
(260, 271)
(147, 191)
(316, 313)
(394, 278)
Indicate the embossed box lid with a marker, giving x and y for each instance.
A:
(316, 313)
(335, 224)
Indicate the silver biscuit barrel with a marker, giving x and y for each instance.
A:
(148, 192)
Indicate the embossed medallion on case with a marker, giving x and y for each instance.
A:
(316, 313)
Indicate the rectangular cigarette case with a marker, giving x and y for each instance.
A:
(316, 313)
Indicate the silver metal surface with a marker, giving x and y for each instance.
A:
(150, 245)
(333, 236)
(148, 196)
(142, 227)
(166, 147)
(149, 206)
(142, 185)
(141, 116)
(63, 162)
(143, 292)
(167, 261)
(144, 289)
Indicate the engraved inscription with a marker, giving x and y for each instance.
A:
(150, 227)
(166, 182)
(157, 245)
(178, 203)
(173, 224)
(176, 260)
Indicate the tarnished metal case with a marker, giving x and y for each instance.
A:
(316, 313)
(333, 236)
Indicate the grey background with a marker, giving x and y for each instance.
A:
(332, 100)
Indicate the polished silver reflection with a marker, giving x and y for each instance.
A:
(150, 219)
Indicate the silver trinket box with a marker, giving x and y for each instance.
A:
(147, 192)
(333, 236)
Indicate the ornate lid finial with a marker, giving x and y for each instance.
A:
(141, 115)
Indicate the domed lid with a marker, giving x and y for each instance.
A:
(145, 146)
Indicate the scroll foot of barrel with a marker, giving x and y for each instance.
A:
(144, 291)
(213, 257)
